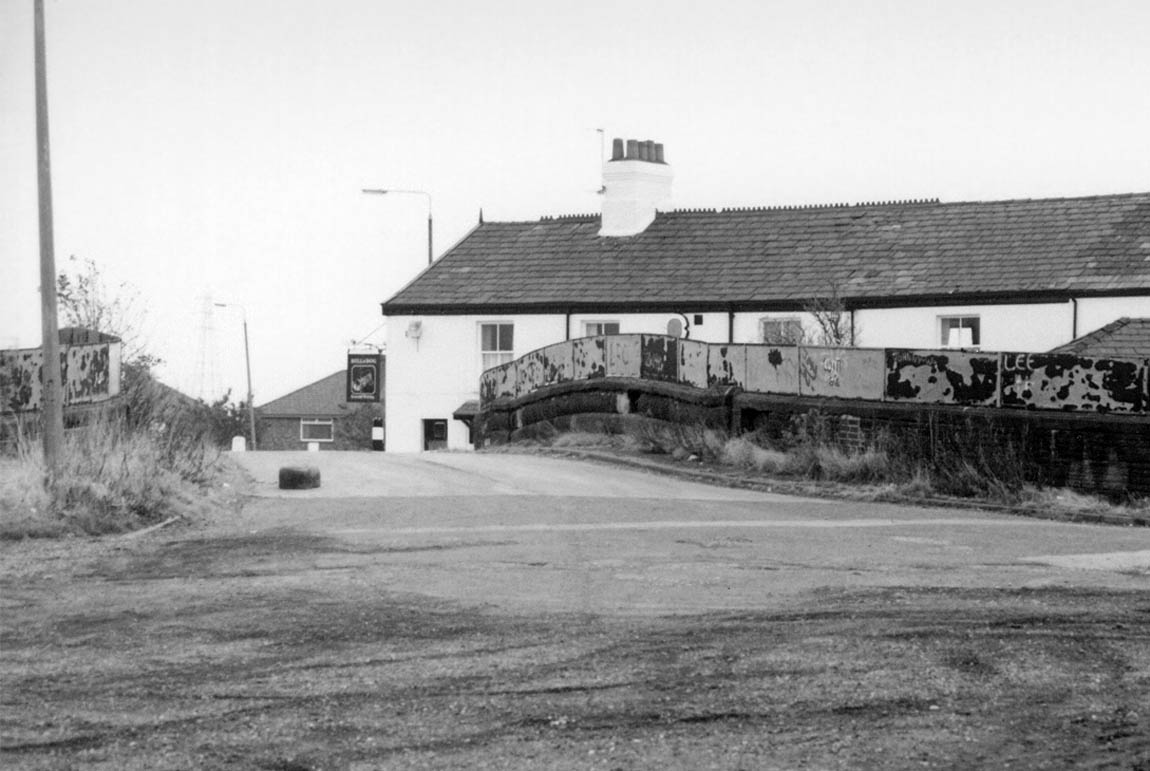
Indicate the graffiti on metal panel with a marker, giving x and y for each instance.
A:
(557, 363)
(808, 372)
(727, 365)
(852, 373)
(1067, 382)
(505, 379)
(624, 356)
(588, 358)
(487, 387)
(942, 377)
(85, 376)
(530, 375)
(693, 363)
(772, 369)
(660, 358)
(1034, 381)
(88, 369)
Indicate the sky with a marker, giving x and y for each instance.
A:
(218, 149)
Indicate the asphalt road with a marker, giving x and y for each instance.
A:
(530, 533)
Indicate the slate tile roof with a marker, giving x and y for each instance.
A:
(764, 258)
(325, 398)
(1125, 337)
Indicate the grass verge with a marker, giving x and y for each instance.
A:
(878, 471)
(111, 478)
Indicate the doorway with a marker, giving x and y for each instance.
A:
(435, 434)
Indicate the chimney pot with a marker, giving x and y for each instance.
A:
(634, 192)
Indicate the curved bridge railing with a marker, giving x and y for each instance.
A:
(90, 373)
(951, 377)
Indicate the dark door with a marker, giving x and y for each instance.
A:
(435, 434)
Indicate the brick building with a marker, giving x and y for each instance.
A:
(319, 413)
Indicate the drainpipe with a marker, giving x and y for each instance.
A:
(852, 327)
(567, 325)
(1074, 319)
(731, 327)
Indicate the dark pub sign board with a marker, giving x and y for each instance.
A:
(363, 377)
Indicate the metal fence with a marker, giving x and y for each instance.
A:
(90, 373)
(965, 378)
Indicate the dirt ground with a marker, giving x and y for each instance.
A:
(220, 646)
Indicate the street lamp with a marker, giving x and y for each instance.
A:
(378, 191)
(248, 364)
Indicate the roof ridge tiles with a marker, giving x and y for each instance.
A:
(569, 217)
(591, 217)
(809, 206)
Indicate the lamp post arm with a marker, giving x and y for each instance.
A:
(430, 226)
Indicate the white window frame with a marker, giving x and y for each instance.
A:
(784, 321)
(588, 324)
(503, 356)
(329, 422)
(976, 330)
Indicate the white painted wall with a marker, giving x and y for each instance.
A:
(431, 377)
(1003, 327)
(1097, 312)
(712, 330)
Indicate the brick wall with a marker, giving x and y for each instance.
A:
(351, 431)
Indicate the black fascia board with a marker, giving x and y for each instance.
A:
(1032, 297)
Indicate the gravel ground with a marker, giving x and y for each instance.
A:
(259, 641)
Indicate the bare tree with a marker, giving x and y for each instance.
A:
(86, 301)
(834, 321)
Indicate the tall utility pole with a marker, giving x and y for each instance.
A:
(248, 366)
(52, 401)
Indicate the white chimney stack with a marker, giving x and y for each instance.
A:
(636, 185)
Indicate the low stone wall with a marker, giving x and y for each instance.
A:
(1093, 452)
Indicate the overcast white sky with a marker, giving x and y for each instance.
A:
(219, 147)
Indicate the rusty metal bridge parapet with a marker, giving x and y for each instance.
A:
(90, 373)
(1035, 381)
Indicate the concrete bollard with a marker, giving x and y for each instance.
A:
(239, 444)
(299, 477)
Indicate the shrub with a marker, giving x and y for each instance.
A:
(110, 479)
(744, 453)
(870, 465)
(969, 457)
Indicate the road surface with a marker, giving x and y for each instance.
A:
(543, 533)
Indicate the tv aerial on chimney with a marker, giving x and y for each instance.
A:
(602, 157)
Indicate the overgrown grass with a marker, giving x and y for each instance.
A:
(111, 478)
(967, 460)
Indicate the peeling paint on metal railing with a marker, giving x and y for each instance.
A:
(1068, 382)
(89, 373)
(943, 377)
(841, 373)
